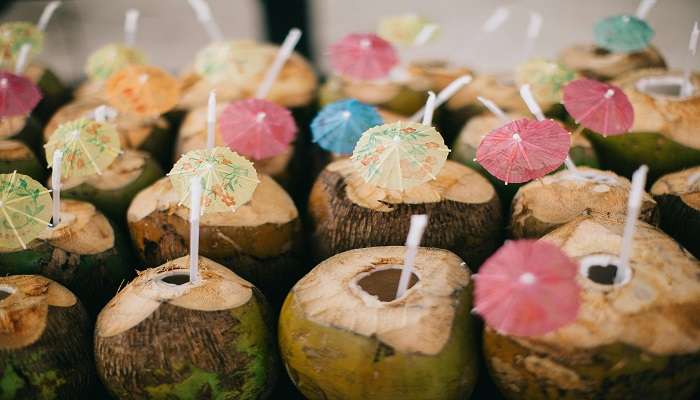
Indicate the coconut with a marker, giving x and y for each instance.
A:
(113, 190)
(163, 337)
(598, 63)
(150, 134)
(544, 205)
(44, 341)
(54, 93)
(344, 335)
(261, 241)
(348, 213)
(16, 156)
(636, 336)
(83, 252)
(26, 129)
(664, 135)
(678, 196)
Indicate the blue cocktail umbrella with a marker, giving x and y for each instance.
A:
(623, 33)
(340, 124)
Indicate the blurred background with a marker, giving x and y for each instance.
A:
(170, 34)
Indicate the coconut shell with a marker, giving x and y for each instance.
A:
(212, 339)
(44, 341)
(17, 156)
(600, 64)
(54, 92)
(340, 342)
(546, 204)
(347, 213)
(26, 129)
(629, 341)
(679, 206)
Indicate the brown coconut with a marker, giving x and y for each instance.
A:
(634, 340)
(17, 156)
(597, 63)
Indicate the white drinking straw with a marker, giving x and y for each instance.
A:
(47, 14)
(495, 110)
(644, 8)
(425, 34)
(283, 54)
(56, 187)
(101, 114)
(415, 233)
(634, 205)
(203, 12)
(534, 27)
(131, 21)
(211, 120)
(444, 95)
(429, 109)
(22, 58)
(195, 211)
(496, 20)
(687, 88)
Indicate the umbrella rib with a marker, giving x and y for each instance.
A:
(12, 183)
(89, 157)
(27, 215)
(219, 169)
(590, 110)
(16, 199)
(14, 230)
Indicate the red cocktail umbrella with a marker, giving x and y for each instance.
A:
(599, 106)
(524, 149)
(527, 288)
(257, 128)
(18, 95)
(363, 56)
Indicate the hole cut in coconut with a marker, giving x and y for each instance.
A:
(605, 270)
(599, 51)
(6, 291)
(176, 278)
(382, 283)
(670, 87)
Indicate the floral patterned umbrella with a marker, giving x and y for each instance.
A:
(18, 95)
(546, 78)
(623, 33)
(407, 30)
(400, 155)
(13, 35)
(237, 61)
(25, 210)
(111, 58)
(228, 179)
(142, 90)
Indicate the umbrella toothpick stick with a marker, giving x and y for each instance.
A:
(495, 110)
(211, 120)
(195, 212)
(22, 58)
(415, 233)
(56, 186)
(283, 54)
(688, 88)
(47, 14)
(644, 7)
(445, 94)
(634, 205)
(429, 108)
(203, 12)
(131, 21)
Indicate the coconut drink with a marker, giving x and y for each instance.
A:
(679, 206)
(164, 335)
(45, 337)
(17, 156)
(423, 347)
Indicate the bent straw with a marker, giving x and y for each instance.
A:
(415, 233)
(687, 87)
(634, 205)
(283, 54)
(211, 120)
(56, 188)
(429, 108)
(203, 12)
(47, 14)
(195, 212)
(131, 20)
(444, 95)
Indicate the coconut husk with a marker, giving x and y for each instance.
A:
(339, 340)
(635, 340)
(211, 339)
(54, 92)
(597, 63)
(16, 156)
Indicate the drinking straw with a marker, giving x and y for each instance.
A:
(47, 14)
(195, 212)
(534, 27)
(634, 205)
(203, 12)
(211, 120)
(283, 54)
(644, 8)
(429, 108)
(22, 58)
(131, 21)
(56, 188)
(495, 110)
(444, 95)
(415, 233)
(687, 87)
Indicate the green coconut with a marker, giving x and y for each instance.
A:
(678, 196)
(162, 337)
(16, 156)
(665, 134)
(45, 338)
(84, 253)
(344, 335)
(598, 63)
(635, 337)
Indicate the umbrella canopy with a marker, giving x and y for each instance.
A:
(527, 288)
(546, 79)
(257, 128)
(111, 58)
(13, 35)
(622, 33)
(340, 124)
(523, 150)
(400, 155)
(88, 147)
(600, 107)
(363, 56)
(25, 210)
(237, 61)
(406, 30)
(142, 90)
(18, 95)
(228, 180)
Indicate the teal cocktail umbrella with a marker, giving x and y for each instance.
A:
(339, 125)
(623, 34)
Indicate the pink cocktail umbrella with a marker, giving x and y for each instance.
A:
(598, 106)
(257, 128)
(524, 149)
(363, 56)
(18, 95)
(527, 288)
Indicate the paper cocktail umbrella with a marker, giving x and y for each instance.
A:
(13, 35)
(25, 210)
(407, 30)
(340, 124)
(363, 56)
(18, 95)
(545, 77)
(623, 33)
(237, 61)
(112, 57)
(142, 90)
(600, 107)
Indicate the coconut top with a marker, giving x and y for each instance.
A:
(10, 126)
(676, 184)
(219, 289)
(295, 86)
(597, 63)
(24, 313)
(481, 125)
(14, 150)
(656, 311)
(418, 322)
(133, 130)
(455, 182)
(269, 204)
(560, 197)
(90, 89)
(501, 89)
(675, 117)
(125, 169)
